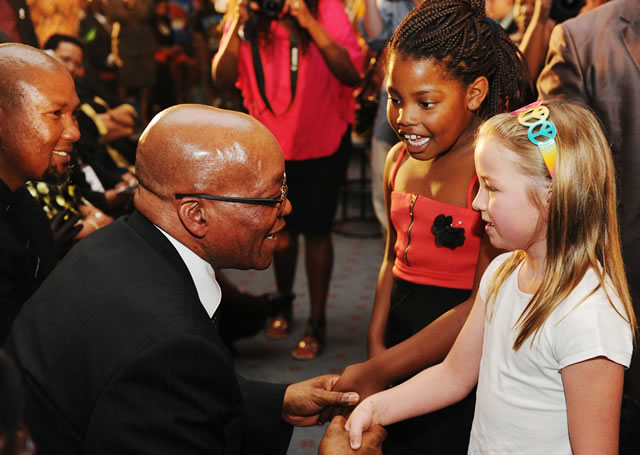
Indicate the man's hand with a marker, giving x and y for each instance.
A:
(125, 115)
(336, 440)
(94, 219)
(65, 226)
(119, 197)
(115, 130)
(362, 378)
(304, 400)
(129, 179)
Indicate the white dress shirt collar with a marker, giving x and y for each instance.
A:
(203, 275)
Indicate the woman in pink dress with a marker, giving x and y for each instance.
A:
(295, 63)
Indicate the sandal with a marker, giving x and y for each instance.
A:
(282, 308)
(278, 327)
(312, 343)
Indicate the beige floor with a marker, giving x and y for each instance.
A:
(349, 308)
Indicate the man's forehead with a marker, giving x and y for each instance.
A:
(233, 146)
(67, 47)
(53, 87)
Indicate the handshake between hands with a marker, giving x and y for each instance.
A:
(324, 398)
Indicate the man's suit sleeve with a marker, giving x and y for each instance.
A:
(10, 304)
(179, 397)
(22, 267)
(562, 75)
(263, 417)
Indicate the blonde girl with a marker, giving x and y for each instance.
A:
(551, 330)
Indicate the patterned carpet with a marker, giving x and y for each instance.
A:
(357, 261)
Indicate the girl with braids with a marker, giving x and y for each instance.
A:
(551, 330)
(448, 67)
(296, 68)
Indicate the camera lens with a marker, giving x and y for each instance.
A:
(272, 7)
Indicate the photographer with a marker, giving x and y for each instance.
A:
(295, 63)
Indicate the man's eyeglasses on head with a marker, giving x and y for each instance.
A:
(271, 201)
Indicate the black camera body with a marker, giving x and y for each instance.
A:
(561, 10)
(271, 8)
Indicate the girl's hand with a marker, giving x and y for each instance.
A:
(361, 420)
(298, 10)
(363, 378)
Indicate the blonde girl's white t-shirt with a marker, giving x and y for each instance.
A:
(520, 404)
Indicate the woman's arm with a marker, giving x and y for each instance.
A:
(593, 390)
(371, 20)
(224, 68)
(535, 40)
(335, 56)
(432, 389)
(382, 301)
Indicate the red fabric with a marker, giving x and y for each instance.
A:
(430, 264)
(323, 107)
(8, 21)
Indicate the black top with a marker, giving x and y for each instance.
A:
(27, 252)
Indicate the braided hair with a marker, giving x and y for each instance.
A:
(460, 35)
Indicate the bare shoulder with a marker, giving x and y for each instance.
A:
(395, 153)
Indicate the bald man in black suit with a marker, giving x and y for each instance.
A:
(118, 349)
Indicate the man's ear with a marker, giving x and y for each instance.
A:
(477, 92)
(193, 216)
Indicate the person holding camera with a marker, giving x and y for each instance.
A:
(296, 63)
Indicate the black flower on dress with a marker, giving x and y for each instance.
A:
(446, 235)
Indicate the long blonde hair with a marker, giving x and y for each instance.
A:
(582, 228)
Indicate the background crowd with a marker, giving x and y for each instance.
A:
(297, 67)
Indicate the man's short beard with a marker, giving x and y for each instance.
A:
(53, 177)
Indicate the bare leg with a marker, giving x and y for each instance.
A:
(319, 264)
(284, 261)
(284, 265)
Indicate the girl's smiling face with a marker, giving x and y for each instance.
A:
(428, 108)
(514, 220)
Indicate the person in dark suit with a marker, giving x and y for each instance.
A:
(595, 58)
(118, 349)
(37, 132)
(105, 144)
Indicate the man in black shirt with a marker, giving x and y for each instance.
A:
(37, 132)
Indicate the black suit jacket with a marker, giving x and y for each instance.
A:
(27, 253)
(118, 356)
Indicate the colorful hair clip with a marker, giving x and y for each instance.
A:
(542, 132)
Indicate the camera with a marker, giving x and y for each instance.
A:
(271, 8)
(561, 10)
